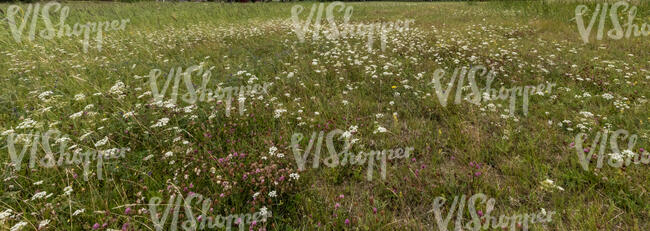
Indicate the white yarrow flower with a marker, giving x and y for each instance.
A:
(67, 190)
(7, 132)
(278, 112)
(76, 115)
(117, 89)
(380, 129)
(39, 195)
(43, 96)
(18, 226)
(79, 97)
(264, 212)
(27, 123)
(78, 211)
(161, 122)
(549, 184)
(128, 114)
(43, 223)
(607, 96)
(628, 153)
(4, 215)
(102, 142)
(346, 134)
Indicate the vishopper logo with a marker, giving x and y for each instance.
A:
(31, 15)
(205, 94)
(346, 154)
(202, 221)
(333, 32)
(33, 141)
(480, 220)
(617, 32)
(617, 158)
(487, 94)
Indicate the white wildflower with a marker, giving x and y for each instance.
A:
(617, 156)
(78, 211)
(79, 97)
(586, 114)
(607, 96)
(18, 226)
(62, 140)
(380, 129)
(67, 190)
(549, 184)
(161, 122)
(7, 132)
(5, 214)
(102, 142)
(39, 195)
(278, 113)
(189, 109)
(82, 137)
(117, 89)
(27, 123)
(128, 114)
(43, 223)
(264, 211)
(76, 115)
(43, 96)
(346, 134)
(272, 150)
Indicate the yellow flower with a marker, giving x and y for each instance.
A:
(394, 87)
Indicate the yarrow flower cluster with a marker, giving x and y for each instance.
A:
(161, 123)
(550, 184)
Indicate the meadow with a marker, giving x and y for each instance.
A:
(243, 152)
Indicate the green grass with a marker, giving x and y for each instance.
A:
(521, 39)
